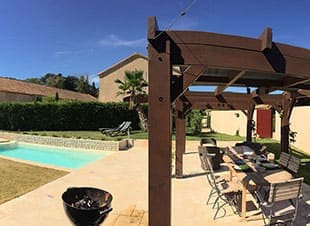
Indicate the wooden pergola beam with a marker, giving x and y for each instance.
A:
(266, 38)
(225, 51)
(296, 82)
(220, 89)
(262, 90)
(181, 83)
(238, 99)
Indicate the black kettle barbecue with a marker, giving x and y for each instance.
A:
(86, 206)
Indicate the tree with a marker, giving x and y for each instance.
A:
(83, 85)
(134, 86)
(53, 80)
(73, 83)
(93, 90)
(34, 80)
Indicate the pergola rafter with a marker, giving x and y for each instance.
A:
(217, 60)
(220, 88)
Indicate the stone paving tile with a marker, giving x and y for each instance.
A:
(137, 213)
(2, 215)
(130, 216)
(127, 220)
(124, 174)
(110, 220)
(144, 220)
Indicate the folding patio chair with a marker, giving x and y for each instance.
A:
(227, 192)
(280, 205)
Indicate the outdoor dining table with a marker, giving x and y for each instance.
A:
(256, 175)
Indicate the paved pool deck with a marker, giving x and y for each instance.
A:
(125, 175)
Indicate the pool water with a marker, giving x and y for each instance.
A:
(53, 156)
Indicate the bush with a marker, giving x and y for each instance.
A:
(61, 116)
(194, 122)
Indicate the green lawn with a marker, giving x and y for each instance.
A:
(19, 178)
(96, 135)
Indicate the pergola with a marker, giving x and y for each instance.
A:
(179, 59)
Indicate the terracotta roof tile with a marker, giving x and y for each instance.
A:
(22, 87)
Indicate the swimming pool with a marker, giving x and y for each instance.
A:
(54, 156)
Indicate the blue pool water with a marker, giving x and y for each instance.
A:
(54, 156)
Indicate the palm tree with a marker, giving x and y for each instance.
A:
(134, 86)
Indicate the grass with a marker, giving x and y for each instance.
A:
(304, 170)
(19, 178)
(96, 135)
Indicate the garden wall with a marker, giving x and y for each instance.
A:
(70, 142)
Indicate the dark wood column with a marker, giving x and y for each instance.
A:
(159, 137)
(288, 104)
(249, 114)
(179, 143)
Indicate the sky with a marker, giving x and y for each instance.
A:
(84, 37)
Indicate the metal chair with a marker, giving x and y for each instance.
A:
(293, 164)
(227, 192)
(218, 155)
(289, 162)
(218, 179)
(283, 160)
(207, 141)
(280, 205)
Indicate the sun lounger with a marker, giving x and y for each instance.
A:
(123, 128)
(116, 128)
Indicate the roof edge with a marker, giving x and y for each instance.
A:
(122, 62)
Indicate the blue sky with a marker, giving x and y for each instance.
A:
(75, 37)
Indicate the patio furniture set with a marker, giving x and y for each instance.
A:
(273, 186)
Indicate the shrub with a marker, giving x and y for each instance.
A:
(194, 122)
(60, 116)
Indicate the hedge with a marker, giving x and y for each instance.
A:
(61, 116)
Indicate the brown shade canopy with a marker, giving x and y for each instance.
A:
(179, 59)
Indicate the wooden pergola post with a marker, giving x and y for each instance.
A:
(179, 143)
(288, 105)
(250, 112)
(159, 132)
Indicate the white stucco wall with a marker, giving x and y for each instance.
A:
(227, 122)
(300, 124)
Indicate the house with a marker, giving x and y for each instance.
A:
(267, 123)
(16, 90)
(108, 88)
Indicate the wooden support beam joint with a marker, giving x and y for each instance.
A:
(220, 89)
(266, 39)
